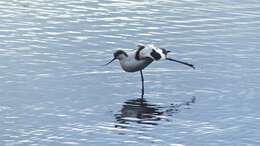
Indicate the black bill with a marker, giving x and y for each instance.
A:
(110, 61)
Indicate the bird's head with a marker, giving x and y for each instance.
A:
(119, 54)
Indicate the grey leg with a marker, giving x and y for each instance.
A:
(142, 77)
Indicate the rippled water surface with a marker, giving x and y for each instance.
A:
(54, 92)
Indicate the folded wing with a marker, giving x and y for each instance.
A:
(150, 51)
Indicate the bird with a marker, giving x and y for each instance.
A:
(139, 58)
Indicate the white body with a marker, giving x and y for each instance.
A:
(131, 64)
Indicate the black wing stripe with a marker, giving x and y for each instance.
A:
(137, 54)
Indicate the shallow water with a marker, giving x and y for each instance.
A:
(54, 91)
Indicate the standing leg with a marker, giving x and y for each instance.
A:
(142, 77)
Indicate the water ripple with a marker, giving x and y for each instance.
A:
(51, 81)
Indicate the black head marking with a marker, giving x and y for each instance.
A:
(119, 52)
(155, 55)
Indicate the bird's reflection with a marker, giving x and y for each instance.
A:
(142, 112)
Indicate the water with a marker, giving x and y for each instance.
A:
(54, 91)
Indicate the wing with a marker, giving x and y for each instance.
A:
(149, 51)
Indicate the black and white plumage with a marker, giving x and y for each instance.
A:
(141, 57)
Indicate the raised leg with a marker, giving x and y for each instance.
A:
(185, 63)
(142, 77)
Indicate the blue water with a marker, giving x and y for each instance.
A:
(54, 91)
